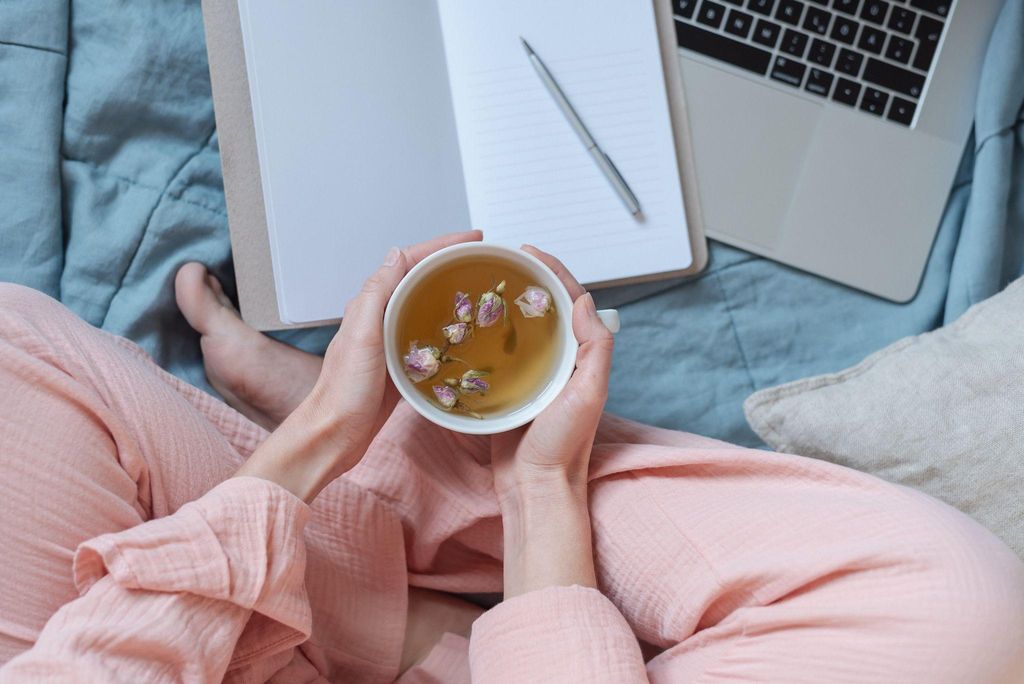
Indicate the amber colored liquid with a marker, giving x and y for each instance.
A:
(519, 355)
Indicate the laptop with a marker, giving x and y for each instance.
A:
(827, 133)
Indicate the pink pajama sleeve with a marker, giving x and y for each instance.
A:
(186, 597)
(558, 634)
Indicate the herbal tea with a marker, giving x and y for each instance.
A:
(478, 336)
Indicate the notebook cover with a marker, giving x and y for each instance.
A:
(243, 190)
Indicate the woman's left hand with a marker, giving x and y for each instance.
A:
(331, 429)
(354, 382)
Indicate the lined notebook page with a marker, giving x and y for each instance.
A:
(528, 176)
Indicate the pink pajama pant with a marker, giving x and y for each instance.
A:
(740, 564)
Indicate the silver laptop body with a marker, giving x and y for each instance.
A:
(836, 160)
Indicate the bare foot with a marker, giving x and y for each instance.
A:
(260, 377)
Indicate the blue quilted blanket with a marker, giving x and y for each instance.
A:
(110, 179)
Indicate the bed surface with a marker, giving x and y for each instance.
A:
(110, 179)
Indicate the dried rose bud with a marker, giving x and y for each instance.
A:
(463, 308)
(447, 397)
(456, 332)
(491, 307)
(534, 302)
(422, 362)
(473, 382)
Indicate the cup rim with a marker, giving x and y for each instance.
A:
(564, 366)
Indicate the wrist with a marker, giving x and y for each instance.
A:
(305, 453)
(546, 526)
(559, 484)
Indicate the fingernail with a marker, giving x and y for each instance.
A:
(589, 303)
(392, 257)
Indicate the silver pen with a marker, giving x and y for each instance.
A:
(602, 160)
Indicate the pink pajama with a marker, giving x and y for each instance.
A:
(129, 554)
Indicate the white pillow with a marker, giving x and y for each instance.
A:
(942, 412)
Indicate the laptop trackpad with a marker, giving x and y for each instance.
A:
(750, 141)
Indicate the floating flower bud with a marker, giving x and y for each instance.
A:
(447, 397)
(463, 308)
(534, 302)
(473, 382)
(456, 332)
(491, 307)
(422, 362)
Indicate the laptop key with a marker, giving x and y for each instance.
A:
(711, 14)
(940, 7)
(844, 30)
(722, 48)
(764, 7)
(874, 101)
(848, 6)
(788, 71)
(902, 111)
(849, 62)
(684, 8)
(794, 43)
(819, 82)
(892, 77)
(738, 3)
(928, 33)
(822, 52)
(871, 40)
(874, 11)
(738, 23)
(902, 20)
(766, 33)
(817, 20)
(846, 92)
(899, 49)
(789, 11)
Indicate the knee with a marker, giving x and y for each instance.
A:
(969, 590)
(27, 313)
(23, 304)
(39, 326)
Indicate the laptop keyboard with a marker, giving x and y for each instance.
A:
(871, 54)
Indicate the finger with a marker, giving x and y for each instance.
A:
(594, 358)
(416, 253)
(567, 278)
(364, 313)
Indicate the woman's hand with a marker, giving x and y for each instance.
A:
(331, 429)
(540, 471)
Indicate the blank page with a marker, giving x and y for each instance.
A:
(356, 139)
(528, 176)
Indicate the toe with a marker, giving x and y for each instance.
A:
(200, 298)
(218, 290)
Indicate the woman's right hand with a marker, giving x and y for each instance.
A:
(540, 471)
(557, 444)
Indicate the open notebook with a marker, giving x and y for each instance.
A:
(377, 124)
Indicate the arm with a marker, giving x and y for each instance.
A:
(168, 600)
(554, 625)
(220, 583)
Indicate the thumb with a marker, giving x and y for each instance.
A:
(594, 358)
(367, 309)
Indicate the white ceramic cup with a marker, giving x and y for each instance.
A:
(565, 360)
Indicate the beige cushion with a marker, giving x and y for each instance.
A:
(942, 412)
